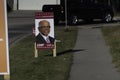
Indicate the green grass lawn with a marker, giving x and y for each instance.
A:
(112, 37)
(23, 65)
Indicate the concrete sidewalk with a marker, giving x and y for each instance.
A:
(95, 62)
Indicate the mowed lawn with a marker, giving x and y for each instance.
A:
(23, 65)
(112, 37)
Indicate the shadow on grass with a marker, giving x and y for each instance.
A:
(67, 51)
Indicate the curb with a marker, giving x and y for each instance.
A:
(16, 40)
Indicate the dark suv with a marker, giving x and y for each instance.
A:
(89, 11)
(77, 9)
(58, 12)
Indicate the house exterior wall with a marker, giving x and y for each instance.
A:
(35, 4)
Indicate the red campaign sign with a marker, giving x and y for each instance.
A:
(45, 46)
(44, 30)
(33, 30)
(44, 15)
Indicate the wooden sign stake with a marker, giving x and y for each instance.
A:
(54, 50)
(36, 51)
(6, 77)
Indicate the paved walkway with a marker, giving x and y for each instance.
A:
(95, 62)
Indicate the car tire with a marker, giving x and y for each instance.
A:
(107, 17)
(73, 20)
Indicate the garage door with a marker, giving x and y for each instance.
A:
(35, 4)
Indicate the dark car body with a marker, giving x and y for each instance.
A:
(89, 11)
(57, 9)
(81, 10)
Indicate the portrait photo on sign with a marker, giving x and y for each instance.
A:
(44, 33)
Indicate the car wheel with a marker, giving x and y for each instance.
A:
(107, 17)
(74, 20)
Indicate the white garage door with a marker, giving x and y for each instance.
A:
(35, 4)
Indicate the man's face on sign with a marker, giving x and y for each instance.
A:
(44, 27)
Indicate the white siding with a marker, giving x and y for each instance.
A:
(35, 4)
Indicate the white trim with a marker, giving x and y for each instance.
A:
(7, 44)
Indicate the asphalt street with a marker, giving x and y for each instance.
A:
(19, 25)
